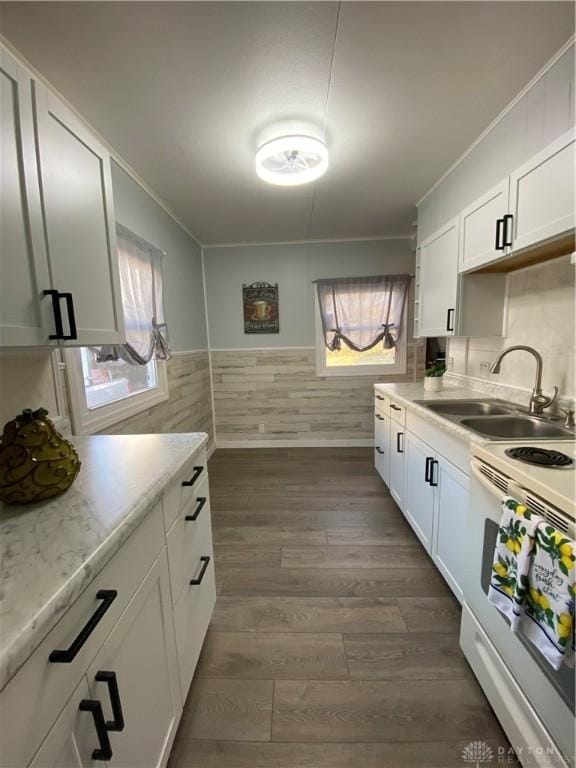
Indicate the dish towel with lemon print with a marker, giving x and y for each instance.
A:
(512, 559)
(548, 617)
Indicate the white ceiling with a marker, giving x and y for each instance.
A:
(182, 90)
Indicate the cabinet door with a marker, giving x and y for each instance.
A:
(439, 282)
(73, 737)
(396, 450)
(141, 653)
(24, 312)
(419, 498)
(382, 446)
(79, 221)
(449, 537)
(542, 194)
(481, 236)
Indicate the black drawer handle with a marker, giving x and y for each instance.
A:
(450, 320)
(65, 657)
(380, 418)
(433, 464)
(380, 451)
(71, 316)
(117, 724)
(499, 246)
(508, 231)
(194, 516)
(195, 476)
(205, 560)
(395, 407)
(93, 706)
(429, 460)
(398, 448)
(379, 397)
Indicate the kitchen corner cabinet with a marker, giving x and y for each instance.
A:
(58, 257)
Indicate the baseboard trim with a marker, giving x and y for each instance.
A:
(356, 443)
(210, 449)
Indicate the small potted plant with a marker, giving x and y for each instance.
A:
(433, 377)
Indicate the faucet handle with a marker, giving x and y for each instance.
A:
(569, 420)
(547, 401)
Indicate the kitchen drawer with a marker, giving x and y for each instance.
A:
(189, 540)
(192, 615)
(398, 413)
(33, 698)
(183, 487)
(381, 402)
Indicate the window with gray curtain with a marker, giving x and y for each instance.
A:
(141, 281)
(362, 312)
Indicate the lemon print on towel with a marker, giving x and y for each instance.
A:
(558, 546)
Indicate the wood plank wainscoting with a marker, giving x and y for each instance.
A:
(279, 389)
(334, 641)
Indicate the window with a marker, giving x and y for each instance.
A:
(112, 383)
(360, 324)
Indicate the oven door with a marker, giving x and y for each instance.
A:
(550, 692)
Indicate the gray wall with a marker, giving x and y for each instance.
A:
(293, 267)
(183, 290)
(543, 114)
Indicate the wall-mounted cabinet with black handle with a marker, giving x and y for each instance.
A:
(58, 244)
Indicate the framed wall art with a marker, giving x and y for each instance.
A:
(260, 301)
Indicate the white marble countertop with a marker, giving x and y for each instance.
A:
(51, 551)
(408, 394)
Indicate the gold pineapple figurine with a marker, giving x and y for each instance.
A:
(36, 462)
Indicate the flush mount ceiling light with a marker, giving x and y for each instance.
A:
(291, 160)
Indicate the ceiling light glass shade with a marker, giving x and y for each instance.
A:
(292, 160)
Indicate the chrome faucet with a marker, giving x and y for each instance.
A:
(538, 401)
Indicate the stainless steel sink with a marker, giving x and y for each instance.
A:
(511, 427)
(498, 419)
(468, 408)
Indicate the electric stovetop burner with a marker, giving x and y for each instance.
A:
(540, 457)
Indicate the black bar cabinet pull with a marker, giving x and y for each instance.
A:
(65, 657)
(194, 516)
(380, 418)
(59, 328)
(507, 239)
(380, 451)
(94, 706)
(195, 476)
(398, 436)
(117, 724)
(450, 320)
(395, 407)
(427, 475)
(433, 464)
(205, 560)
(379, 397)
(499, 246)
(71, 316)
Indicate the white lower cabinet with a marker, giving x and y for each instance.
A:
(71, 742)
(396, 485)
(430, 490)
(419, 489)
(450, 508)
(382, 446)
(137, 668)
(115, 698)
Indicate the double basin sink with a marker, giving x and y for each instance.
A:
(498, 419)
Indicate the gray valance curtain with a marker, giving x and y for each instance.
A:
(141, 282)
(362, 311)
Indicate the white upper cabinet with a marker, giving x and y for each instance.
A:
(439, 281)
(80, 228)
(482, 228)
(24, 319)
(542, 195)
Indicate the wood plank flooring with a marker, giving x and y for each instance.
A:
(334, 641)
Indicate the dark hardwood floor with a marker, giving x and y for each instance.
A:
(334, 642)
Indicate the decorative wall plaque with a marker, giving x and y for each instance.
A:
(261, 308)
